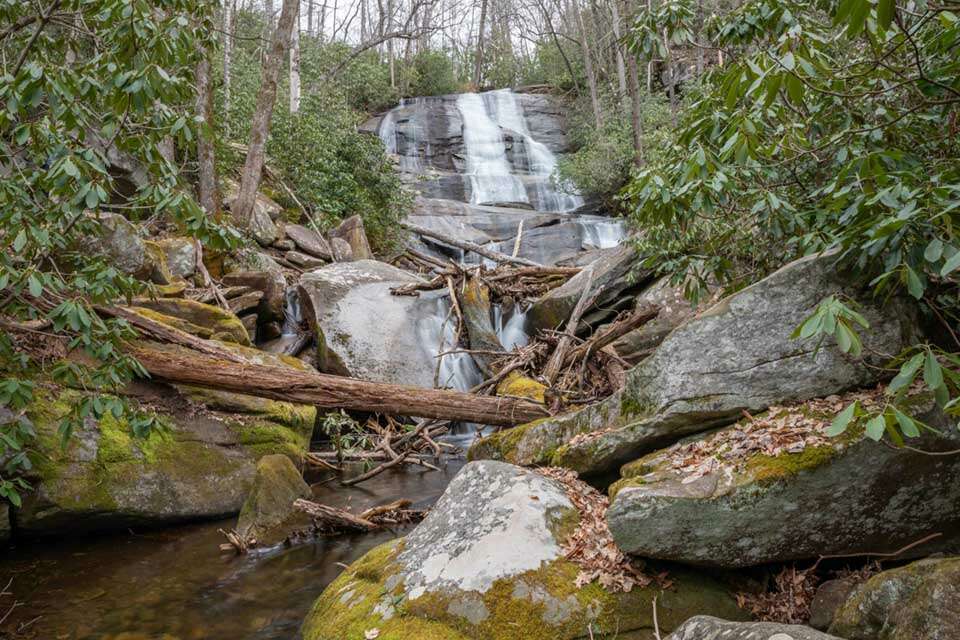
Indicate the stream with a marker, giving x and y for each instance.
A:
(173, 584)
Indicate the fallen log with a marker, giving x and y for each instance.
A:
(332, 517)
(496, 256)
(175, 363)
(612, 332)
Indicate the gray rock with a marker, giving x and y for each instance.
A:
(120, 241)
(304, 260)
(828, 599)
(850, 496)
(708, 628)
(353, 232)
(490, 557)
(366, 332)
(272, 284)
(610, 272)
(268, 515)
(342, 252)
(920, 601)
(181, 255)
(309, 241)
(265, 212)
(736, 356)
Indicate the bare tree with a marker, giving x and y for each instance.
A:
(295, 63)
(588, 64)
(260, 126)
(206, 156)
(478, 68)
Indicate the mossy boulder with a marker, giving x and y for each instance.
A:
(213, 322)
(268, 516)
(920, 601)
(517, 385)
(739, 355)
(261, 225)
(709, 628)
(848, 495)
(487, 564)
(198, 464)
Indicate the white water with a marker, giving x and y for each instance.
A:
(437, 333)
(292, 313)
(541, 162)
(602, 234)
(492, 180)
(510, 333)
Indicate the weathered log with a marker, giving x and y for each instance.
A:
(176, 363)
(558, 357)
(482, 336)
(333, 517)
(496, 256)
(613, 331)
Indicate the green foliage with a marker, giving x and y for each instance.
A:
(604, 158)
(334, 170)
(70, 96)
(834, 125)
(433, 74)
(345, 433)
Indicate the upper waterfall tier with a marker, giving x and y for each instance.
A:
(494, 148)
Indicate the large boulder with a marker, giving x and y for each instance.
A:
(738, 355)
(366, 332)
(488, 564)
(351, 230)
(262, 225)
(920, 601)
(309, 241)
(709, 628)
(268, 515)
(778, 489)
(180, 254)
(610, 274)
(198, 463)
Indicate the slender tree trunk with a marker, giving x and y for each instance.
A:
(671, 80)
(621, 67)
(206, 156)
(267, 23)
(588, 64)
(478, 67)
(390, 53)
(260, 127)
(310, 30)
(636, 114)
(229, 11)
(295, 64)
(425, 24)
(323, 20)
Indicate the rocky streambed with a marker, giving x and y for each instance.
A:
(709, 451)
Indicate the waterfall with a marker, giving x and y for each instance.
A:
(492, 180)
(292, 313)
(541, 162)
(511, 333)
(437, 334)
(602, 233)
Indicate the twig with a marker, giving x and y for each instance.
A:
(891, 554)
(656, 624)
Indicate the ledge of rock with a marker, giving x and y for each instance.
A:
(736, 356)
(487, 564)
(840, 495)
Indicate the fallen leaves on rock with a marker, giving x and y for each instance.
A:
(780, 430)
(591, 547)
(789, 600)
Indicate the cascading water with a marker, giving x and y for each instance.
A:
(540, 161)
(492, 180)
(510, 332)
(438, 335)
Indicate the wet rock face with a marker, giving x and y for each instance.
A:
(488, 564)
(852, 495)
(920, 601)
(708, 628)
(366, 332)
(736, 356)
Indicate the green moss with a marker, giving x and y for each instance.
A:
(763, 468)
(517, 385)
(501, 445)
(631, 406)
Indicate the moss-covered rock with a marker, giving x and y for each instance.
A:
(920, 601)
(268, 515)
(517, 385)
(217, 323)
(199, 464)
(739, 355)
(844, 495)
(487, 564)
(710, 628)
(181, 255)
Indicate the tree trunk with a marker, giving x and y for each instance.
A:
(621, 67)
(229, 11)
(295, 64)
(478, 66)
(310, 25)
(267, 23)
(588, 64)
(183, 365)
(260, 127)
(206, 156)
(636, 109)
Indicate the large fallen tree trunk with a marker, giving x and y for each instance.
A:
(176, 363)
